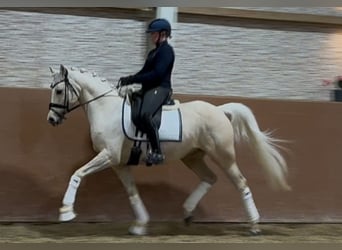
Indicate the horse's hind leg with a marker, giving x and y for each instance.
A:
(240, 183)
(196, 163)
(224, 157)
(100, 162)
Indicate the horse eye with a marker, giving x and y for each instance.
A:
(59, 91)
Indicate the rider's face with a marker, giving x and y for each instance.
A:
(154, 37)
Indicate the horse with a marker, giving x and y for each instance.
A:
(208, 131)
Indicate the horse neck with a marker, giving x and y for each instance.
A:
(90, 87)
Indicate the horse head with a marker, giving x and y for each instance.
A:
(64, 95)
(72, 89)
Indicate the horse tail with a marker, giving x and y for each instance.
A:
(262, 144)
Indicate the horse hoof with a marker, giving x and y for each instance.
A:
(138, 230)
(66, 214)
(255, 231)
(188, 220)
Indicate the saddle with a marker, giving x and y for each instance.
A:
(168, 120)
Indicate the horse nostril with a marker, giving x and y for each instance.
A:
(51, 120)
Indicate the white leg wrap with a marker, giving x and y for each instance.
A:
(251, 210)
(70, 194)
(194, 198)
(139, 209)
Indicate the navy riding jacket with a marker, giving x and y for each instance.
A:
(157, 68)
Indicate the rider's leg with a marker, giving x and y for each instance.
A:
(156, 156)
(152, 104)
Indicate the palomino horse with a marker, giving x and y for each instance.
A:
(207, 132)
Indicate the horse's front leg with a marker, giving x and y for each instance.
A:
(139, 227)
(100, 162)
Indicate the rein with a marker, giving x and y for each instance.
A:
(65, 106)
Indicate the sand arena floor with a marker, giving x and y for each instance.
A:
(168, 232)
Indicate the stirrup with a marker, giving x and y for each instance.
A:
(154, 158)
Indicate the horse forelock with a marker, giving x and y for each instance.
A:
(57, 77)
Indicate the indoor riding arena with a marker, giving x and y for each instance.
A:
(277, 61)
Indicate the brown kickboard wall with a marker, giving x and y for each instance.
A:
(37, 161)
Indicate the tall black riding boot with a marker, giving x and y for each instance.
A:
(156, 156)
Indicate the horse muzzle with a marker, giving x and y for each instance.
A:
(54, 119)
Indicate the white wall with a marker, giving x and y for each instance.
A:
(214, 59)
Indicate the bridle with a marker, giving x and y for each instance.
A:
(68, 87)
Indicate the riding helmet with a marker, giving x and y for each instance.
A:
(159, 25)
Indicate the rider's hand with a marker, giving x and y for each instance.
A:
(127, 80)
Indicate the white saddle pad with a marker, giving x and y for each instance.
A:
(170, 127)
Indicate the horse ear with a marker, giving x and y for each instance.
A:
(52, 70)
(63, 70)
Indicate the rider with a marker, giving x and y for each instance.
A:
(155, 78)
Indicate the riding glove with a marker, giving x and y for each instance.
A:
(127, 80)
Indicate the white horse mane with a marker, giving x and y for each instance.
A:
(81, 74)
